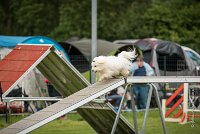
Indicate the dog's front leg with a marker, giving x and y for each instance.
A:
(102, 78)
(125, 73)
(108, 75)
(105, 76)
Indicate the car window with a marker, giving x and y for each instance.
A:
(193, 57)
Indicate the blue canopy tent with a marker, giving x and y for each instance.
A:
(12, 41)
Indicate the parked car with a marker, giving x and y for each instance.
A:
(192, 54)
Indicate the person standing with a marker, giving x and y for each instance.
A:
(141, 68)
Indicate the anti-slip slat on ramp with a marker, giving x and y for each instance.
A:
(67, 80)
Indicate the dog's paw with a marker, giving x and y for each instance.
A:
(125, 73)
(100, 79)
(105, 77)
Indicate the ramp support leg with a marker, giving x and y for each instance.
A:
(147, 108)
(154, 88)
(160, 109)
(134, 111)
(119, 111)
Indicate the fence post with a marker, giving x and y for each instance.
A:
(165, 73)
(164, 107)
(185, 102)
(165, 66)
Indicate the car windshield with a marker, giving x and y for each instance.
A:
(193, 56)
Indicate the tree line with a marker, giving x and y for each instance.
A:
(174, 20)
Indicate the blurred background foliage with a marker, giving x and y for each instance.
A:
(175, 20)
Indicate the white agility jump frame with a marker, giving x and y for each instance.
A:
(151, 80)
(185, 106)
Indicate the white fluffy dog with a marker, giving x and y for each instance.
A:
(112, 66)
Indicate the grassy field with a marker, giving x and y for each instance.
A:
(74, 124)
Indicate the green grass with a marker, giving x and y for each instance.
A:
(154, 124)
(74, 124)
(86, 75)
(11, 120)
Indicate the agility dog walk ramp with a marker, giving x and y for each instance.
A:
(64, 106)
(69, 82)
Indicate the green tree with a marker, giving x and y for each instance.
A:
(175, 20)
(28, 17)
(75, 20)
